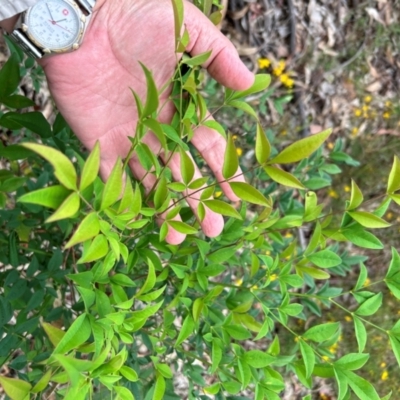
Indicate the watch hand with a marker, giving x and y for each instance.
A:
(55, 23)
(60, 20)
(49, 12)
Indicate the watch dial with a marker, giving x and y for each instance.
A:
(55, 24)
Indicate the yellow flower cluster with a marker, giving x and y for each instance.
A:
(278, 70)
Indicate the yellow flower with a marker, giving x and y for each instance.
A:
(386, 115)
(286, 80)
(389, 215)
(239, 282)
(268, 253)
(357, 112)
(354, 131)
(330, 145)
(277, 71)
(273, 277)
(383, 365)
(367, 282)
(239, 151)
(347, 318)
(368, 99)
(234, 137)
(263, 63)
(254, 287)
(325, 358)
(388, 104)
(385, 375)
(282, 65)
(332, 193)
(288, 235)
(347, 188)
(365, 108)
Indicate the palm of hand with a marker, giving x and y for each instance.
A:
(91, 86)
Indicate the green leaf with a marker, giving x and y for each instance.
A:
(159, 388)
(9, 76)
(17, 101)
(258, 358)
(51, 197)
(197, 60)
(187, 329)
(263, 147)
(151, 103)
(150, 280)
(87, 229)
(248, 193)
(76, 334)
(363, 239)
(237, 332)
(352, 361)
(129, 373)
(361, 333)
(342, 383)
(91, 168)
(362, 277)
(14, 152)
(368, 220)
(68, 208)
(97, 249)
(187, 167)
(156, 128)
(395, 343)
(325, 259)
(356, 196)
(241, 105)
(216, 354)
(16, 389)
(222, 208)
(283, 178)
(320, 333)
(362, 388)
(370, 306)
(308, 355)
(182, 227)
(54, 334)
(394, 266)
(113, 187)
(231, 161)
(123, 393)
(42, 382)
(177, 6)
(216, 126)
(63, 168)
(197, 308)
(261, 82)
(394, 176)
(301, 149)
(34, 121)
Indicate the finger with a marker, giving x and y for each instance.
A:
(224, 64)
(211, 146)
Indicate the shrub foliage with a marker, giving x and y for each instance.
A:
(97, 302)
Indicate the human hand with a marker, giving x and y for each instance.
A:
(91, 86)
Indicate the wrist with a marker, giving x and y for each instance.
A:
(9, 23)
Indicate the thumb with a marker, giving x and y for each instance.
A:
(224, 64)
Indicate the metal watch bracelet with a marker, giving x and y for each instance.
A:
(29, 48)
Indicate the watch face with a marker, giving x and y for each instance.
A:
(54, 24)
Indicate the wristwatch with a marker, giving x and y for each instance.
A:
(52, 27)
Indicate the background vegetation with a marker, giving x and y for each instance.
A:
(322, 76)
